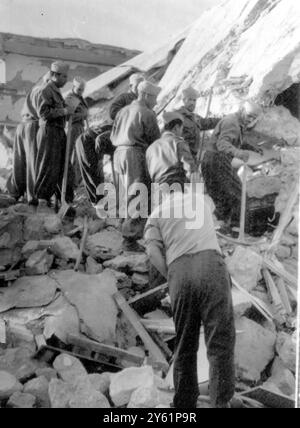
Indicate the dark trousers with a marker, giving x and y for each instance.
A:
(130, 169)
(200, 292)
(76, 131)
(22, 179)
(50, 159)
(90, 169)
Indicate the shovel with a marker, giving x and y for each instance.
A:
(64, 205)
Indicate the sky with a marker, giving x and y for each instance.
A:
(133, 24)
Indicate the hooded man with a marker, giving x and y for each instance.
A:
(169, 159)
(134, 129)
(78, 120)
(125, 99)
(51, 137)
(22, 179)
(193, 123)
(221, 179)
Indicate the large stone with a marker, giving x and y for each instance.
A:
(124, 280)
(38, 387)
(19, 400)
(140, 281)
(255, 348)
(65, 248)
(282, 378)
(286, 348)
(39, 263)
(46, 372)
(241, 303)
(245, 267)
(259, 187)
(86, 397)
(92, 267)
(144, 397)
(92, 297)
(34, 228)
(32, 246)
(28, 292)
(69, 368)
(105, 245)
(8, 385)
(60, 393)
(53, 224)
(100, 382)
(20, 336)
(19, 362)
(129, 262)
(135, 350)
(124, 383)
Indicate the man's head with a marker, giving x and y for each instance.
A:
(173, 122)
(59, 73)
(134, 81)
(189, 98)
(147, 93)
(250, 113)
(78, 85)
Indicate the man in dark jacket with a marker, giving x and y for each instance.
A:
(193, 123)
(134, 129)
(125, 99)
(221, 179)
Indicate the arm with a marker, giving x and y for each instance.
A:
(45, 109)
(117, 105)
(207, 124)
(185, 156)
(151, 129)
(157, 259)
(229, 132)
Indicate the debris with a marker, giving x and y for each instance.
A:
(286, 349)
(123, 280)
(133, 350)
(124, 383)
(284, 295)
(157, 358)
(10, 275)
(20, 336)
(19, 362)
(2, 332)
(85, 396)
(92, 267)
(245, 266)
(39, 263)
(28, 292)
(255, 348)
(68, 368)
(100, 382)
(59, 393)
(46, 372)
(269, 399)
(20, 400)
(53, 224)
(82, 244)
(65, 248)
(160, 326)
(32, 246)
(104, 245)
(143, 302)
(34, 228)
(281, 378)
(130, 262)
(38, 387)
(8, 385)
(144, 398)
(141, 280)
(280, 312)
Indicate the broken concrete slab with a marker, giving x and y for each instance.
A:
(8, 385)
(39, 263)
(255, 348)
(59, 393)
(105, 245)
(124, 383)
(86, 397)
(28, 292)
(69, 368)
(53, 224)
(92, 296)
(144, 398)
(20, 400)
(286, 348)
(64, 248)
(38, 387)
(129, 262)
(20, 363)
(281, 378)
(92, 267)
(20, 336)
(245, 266)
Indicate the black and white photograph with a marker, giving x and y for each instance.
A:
(149, 206)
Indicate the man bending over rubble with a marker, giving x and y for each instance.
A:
(200, 292)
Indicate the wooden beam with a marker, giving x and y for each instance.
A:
(2, 332)
(276, 267)
(151, 292)
(280, 312)
(100, 348)
(156, 355)
(270, 399)
(284, 295)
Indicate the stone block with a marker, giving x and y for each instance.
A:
(38, 387)
(286, 348)
(8, 385)
(245, 267)
(19, 400)
(69, 368)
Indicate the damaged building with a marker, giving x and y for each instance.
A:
(83, 324)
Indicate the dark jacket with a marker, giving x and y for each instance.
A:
(120, 102)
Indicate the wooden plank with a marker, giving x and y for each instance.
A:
(104, 349)
(276, 267)
(284, 295)
(269, 399)
(151, 292)
(159, 326)
(2, 332)
(162, 345)
(280, 312)
(156, 354)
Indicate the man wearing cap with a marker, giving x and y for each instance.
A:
(134, 129)
(169, 159)
(91, 146)
(51, 137)
(221, 179)
(22, 179)
(78, 119)
(193, 123)
(125, 99)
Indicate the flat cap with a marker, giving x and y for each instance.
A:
(59, 67)
(190, 93)
(149, 88)
(169, 116)
(136, 78)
